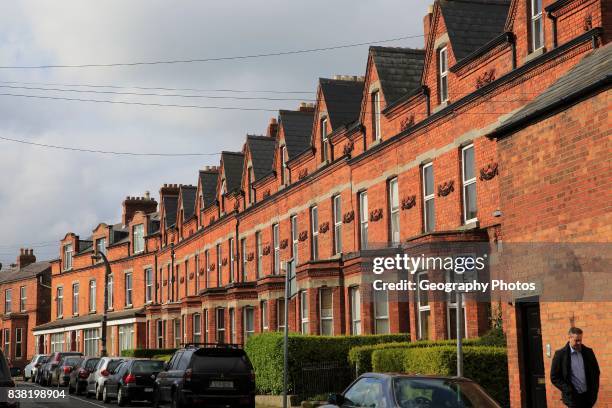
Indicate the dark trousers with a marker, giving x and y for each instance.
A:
(582, 401)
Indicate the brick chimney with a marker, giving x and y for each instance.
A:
(306, 107)
(25, 258)
(427, 22)
(272, 128)
(145, 204)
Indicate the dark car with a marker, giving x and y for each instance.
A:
(133, 380)
(61, 374)
(38, 367)
(215, 375)
(80, 373)
(49, 367)
(6, 382)
(407, 391)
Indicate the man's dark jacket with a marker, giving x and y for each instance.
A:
(561, 374)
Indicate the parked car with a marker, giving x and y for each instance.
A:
(79, 375)
(406, 391)
(37, 370)
(214, 375)
(6, 382)
(104, 368)
(61, 374)
(49, 367)
(29, 371)
(133, 380)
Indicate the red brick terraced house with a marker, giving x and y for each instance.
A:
(430, 146)
(25, 288)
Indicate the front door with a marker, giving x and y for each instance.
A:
(533, 361)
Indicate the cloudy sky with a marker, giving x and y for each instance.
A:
(45, 193)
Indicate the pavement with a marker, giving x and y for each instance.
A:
(70, 401)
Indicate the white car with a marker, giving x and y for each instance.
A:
(95, 382)
(29, 372)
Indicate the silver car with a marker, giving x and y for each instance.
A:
(29, 372)
(95, 382)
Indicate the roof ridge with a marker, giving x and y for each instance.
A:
(403, 50)
(232, 153)
(346, 81)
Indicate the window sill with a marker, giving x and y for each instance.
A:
(534, 54)
(128, 306)
(441, 106)
(470, 224)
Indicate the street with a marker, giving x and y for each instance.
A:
(71, 401)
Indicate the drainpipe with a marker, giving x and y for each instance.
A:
(512, 40)
(553, 19)
(427, 100)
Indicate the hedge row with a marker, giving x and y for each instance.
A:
(266, 354)
(146, 353)
(486, 365)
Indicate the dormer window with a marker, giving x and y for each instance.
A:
(138, 236)
(101, 246)
(284, 170)
(250, 179)
(324, 141)
(223, 192)
(376, 133)
(443, 74)
(537, 32)
(68, 257)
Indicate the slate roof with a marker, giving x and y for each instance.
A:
(170, 204)
(90, 318)
(232, 166)
(594, 69)
(27, 272)
(208, 179)
(473, 23)
(297, 126)
(188, 196)
(399, 70)
(343, 100)
(262, 154)
(154, 223)
(118, 232)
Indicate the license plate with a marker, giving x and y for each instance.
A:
(148, 389)
(221, 384)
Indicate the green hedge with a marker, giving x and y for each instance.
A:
(146, 353)
(486, 365)
(266, 353)
(361, 357)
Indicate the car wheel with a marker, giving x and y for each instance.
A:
(98, 393)
(156, 398)
(176, 403)
(105, 397)
(122, 401)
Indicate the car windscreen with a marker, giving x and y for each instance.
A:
(438, 392)
(113, 364)
(147, 367)
(91, 363)
(220, 360)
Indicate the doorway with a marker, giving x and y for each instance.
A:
(533, 361)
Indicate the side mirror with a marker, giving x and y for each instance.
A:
(166, 366)
(335, 399)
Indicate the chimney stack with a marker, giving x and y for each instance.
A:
(132, 204)
(272, 128)
(25, 258)
(306, 107)
(427, 22)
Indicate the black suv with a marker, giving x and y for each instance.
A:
(209, 375)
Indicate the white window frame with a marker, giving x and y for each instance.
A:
(280, 313)
(90, 341)
(207, 277)
(422, 308)
(249, 326)
(126, 336)
(231, 259)
(536, 18)
(467, 183)
(245, 259)
(376, 129)
(148, 285)
(363, 220)
(197, 328)
(337, 209)
(219, 265)
(259, 249)
(59, 299)
(443, 74)
(138, 236)
(304, 323)
(159, 327)
(8, 300)
(232, 325)
(326, 318)
(92, 295)
(206, 330)
(314, 227)
(176, 331)
(451, 304)
(57, 342)
(101, 246)
(129, 287)
(355, 310)
(75, 298)
(18, 343)
(381, 316)
(265, 321)
(196, 261)
(276, 249)
(22, 299)
(250, 180)
(394, 211)
(284, 169)
(220, 329)
(68, 250)
(110, 291)
(295, 243)
(324, 140)
(428, 197)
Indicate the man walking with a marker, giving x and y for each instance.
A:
(575, 372)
